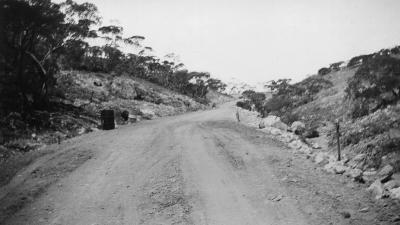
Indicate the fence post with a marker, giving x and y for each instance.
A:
(338, 138)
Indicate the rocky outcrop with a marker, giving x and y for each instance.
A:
(273, 121)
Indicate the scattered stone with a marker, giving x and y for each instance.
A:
(345, 214)
(277, 198)
(395, 193)
(340, 169)
(355, 174)
(364, 210)
(297, 144)
(81, 130)
(315, 146)
(273, 121)
(321, 158)
(335, 167)
(369, 176)
(377, 189)
(298, 127)
(385, 173)
(394, 133)
(275, 131)
(311, 133)
(391, 184)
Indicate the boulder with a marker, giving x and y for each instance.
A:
(288, 137)
(147, 114)
(315, 146)
(132, 118)
(355, 174)
(395, 193)
(305, 149)
(321, 158)
(340, 169)
(377, 189)
(335, 167)
(297, 144)
(391, 184)
(275, 131)
(385, 173)
(298, 127)
(273, 121)
(357, 161)
(311, 133)
(369, 175)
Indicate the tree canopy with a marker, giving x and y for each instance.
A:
(38, 38)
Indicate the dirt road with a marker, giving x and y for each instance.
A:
(198, 168)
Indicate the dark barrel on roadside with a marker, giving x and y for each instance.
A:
(107, 119)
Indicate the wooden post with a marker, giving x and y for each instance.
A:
(338, 138)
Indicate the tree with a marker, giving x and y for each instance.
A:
(216, 84)
(33, 35)
(376, 82)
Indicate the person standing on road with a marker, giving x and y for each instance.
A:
(237, 115)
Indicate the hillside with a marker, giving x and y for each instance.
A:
(142, 99)
(362, 96)
(75, 110)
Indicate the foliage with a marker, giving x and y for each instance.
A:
(375, 85)
(289, 117)
(246, 104)
(287, 96)
(335, 66)
(33, 34)
(323, 71)
(355, 61)
(255, 98)
(38, 38)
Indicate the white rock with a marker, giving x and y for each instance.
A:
(288, 137)
(391, 184)
(354, 173)
(295, 144)
(273, 121)
(316, 146)
(385, 173)
(305, 149)
(298, 127)
(377, 189)
(321, 158)
(275, 131)
(335, 167)
(395, 193)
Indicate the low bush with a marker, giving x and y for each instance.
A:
(246, 104)
(375, 85)
(323, 71)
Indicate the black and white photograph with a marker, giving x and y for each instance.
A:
(199, 112)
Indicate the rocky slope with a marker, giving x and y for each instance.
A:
(369, 143)
(143, 100)
(75, 110)
(381, 183)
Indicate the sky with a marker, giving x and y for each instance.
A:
(258, 40)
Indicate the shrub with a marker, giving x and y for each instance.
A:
(323, 71)
(335, 66)
(289, 117)
(376, 84)
(355, 61)
(244, 104)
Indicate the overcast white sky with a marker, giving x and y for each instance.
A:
(259, 40)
